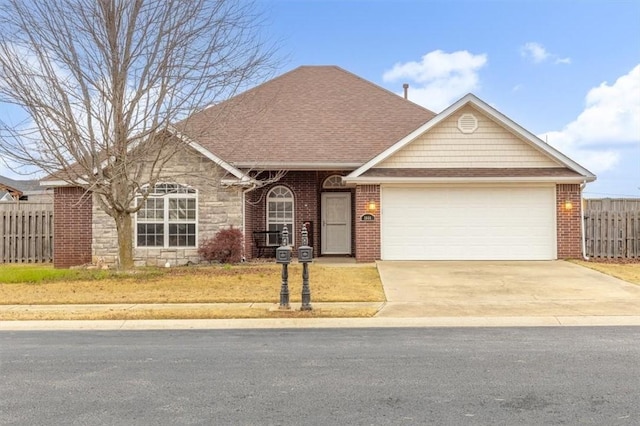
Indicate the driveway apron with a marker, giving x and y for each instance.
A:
(492, 288)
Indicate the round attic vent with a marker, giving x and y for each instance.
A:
(467, 123)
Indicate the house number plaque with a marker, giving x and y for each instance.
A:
(367, 217)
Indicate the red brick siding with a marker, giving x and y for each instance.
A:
(307, 190)
(568, 222)
(367, 233)
(72, 220)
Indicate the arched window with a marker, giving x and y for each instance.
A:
(168, 217)
(280, 212)
(333, 182)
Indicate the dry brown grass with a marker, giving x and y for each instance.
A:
(211, 284)
(629, 272)
(191, 313)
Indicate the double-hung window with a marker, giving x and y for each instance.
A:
(280, 213)
(168, 217)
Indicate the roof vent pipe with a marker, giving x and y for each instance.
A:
(405, 86)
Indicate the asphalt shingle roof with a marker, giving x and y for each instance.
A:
(20, 185)
(312, 114)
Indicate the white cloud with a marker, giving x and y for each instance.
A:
(440, 77)
(534, 51)
(609, 123)
(538, 54)
(566, 61)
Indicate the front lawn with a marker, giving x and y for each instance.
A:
(43, 285)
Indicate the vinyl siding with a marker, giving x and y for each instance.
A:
(490, 145)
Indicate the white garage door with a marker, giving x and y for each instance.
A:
(468, 223)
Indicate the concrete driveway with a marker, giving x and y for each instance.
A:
(506, 289)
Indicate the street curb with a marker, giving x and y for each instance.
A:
(295, 323)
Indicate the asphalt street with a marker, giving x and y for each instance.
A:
(404, 376)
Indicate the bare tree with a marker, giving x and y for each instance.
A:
(101, 82)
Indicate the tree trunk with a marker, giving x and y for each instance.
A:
(125, 240)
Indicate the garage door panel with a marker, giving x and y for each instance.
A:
(482, 223)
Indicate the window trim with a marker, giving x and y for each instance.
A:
(293, 211)
(165, 220)
(329, 182)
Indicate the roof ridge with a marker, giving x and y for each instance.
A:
(257, 86)
(377, 86)
(336, 67)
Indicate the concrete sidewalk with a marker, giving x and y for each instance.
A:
(278, 323)
(271, 323)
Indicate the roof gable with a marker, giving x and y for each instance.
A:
(482, 144)
(536, 145)
(312, 115)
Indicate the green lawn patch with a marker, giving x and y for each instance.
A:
(30, 273)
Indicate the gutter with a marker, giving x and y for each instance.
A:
(279, 165)
(58, 183)
(465, 179)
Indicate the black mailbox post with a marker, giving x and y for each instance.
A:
(283, 257)
(305, 256)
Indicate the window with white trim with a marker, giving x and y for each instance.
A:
(333, 182)
(168, 217)
(280, 212)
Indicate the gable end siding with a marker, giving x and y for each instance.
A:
(490, 145)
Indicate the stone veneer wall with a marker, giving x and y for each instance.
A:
(218, 208)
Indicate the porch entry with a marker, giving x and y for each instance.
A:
(336, 223)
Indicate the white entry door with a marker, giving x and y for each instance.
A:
(336, 223)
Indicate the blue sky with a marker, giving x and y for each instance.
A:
(568, 71)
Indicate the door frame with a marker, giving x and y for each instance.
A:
(348, 220)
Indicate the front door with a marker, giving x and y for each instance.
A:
(336, 223)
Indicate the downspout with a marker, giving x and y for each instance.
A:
(582, 230)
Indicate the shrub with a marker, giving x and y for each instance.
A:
(224, 247)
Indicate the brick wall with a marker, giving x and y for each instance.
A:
(72, 219)
(568, 221)
(367, 233)
(307, 190)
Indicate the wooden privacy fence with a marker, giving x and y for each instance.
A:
(27, 236)
(612, 228)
